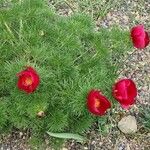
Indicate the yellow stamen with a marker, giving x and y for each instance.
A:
(28, 81)
(97, 103)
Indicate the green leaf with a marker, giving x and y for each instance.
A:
(77, 137)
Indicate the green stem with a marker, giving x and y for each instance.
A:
(9, 30)
(20, 24)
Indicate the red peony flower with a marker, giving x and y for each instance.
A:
(125, 92)
(139, 37)
(97, 104)
(28, 80)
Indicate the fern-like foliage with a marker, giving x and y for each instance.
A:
(70, 57)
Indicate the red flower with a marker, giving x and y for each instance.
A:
(125, 92)
(28, 80)
(139, 37)
(97, 104)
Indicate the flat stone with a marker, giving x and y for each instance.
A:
(128, 124)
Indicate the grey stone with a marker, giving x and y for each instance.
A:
(128, 124)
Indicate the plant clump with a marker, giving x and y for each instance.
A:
(60, 59)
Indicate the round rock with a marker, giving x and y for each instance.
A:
(128, 124)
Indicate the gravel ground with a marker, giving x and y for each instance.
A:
(136, 66)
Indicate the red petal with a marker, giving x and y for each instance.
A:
(28, 73)
(139, 42)
(125, 92)
(139, 37)
(147, 39)
(125, 106)
(92, 98)
(137, 31)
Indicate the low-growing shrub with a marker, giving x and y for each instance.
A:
(70, 58)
